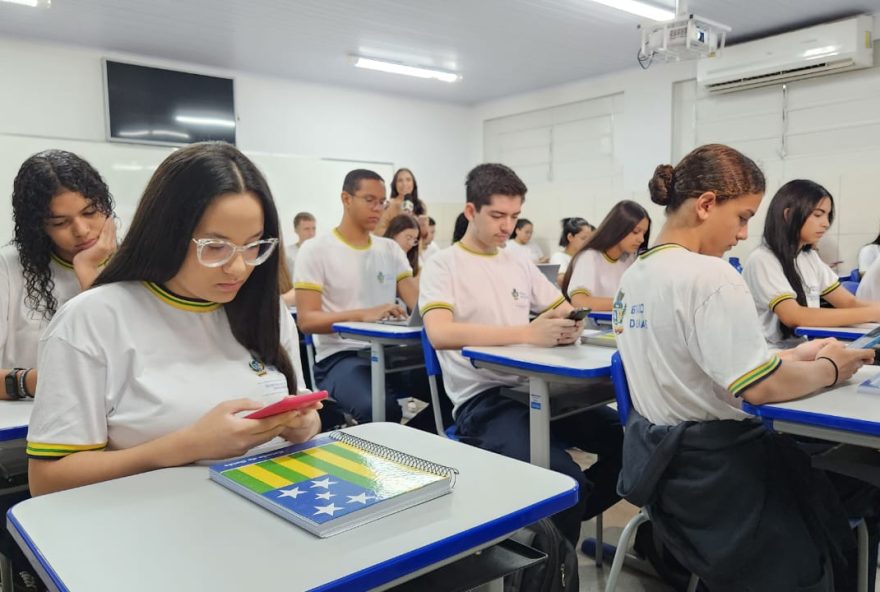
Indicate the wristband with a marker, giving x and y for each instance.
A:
(19, 379)
(11, 383)
(24, 391)
(836, 370)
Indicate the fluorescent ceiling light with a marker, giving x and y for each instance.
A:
(640, 9)
(394, 68)
(31, 3)
(212, 121)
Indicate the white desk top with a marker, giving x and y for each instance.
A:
(14, 418)
(175, 529)
(574, 361)
(379, 330)
(847, 332)
(841, 408)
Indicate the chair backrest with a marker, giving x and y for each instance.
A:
(432, 363)
(432, 367)
(621, 388)
(850, 285)
(855, 276)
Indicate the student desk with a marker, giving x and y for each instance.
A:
(14, 418)
(175, 529)
(839, 414)
(378, 335)
(848, 333)
(542, 365)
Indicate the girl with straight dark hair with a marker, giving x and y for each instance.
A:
(693, 349)
(183, 331)
(521, 241)
(64, 234)
(404, 200)
(405, 231)
(575, 233)
(594, 273)
(787, 278)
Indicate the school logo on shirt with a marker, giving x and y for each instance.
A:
(381, 277)
(257, 366)
(516, 295)
(618, 312)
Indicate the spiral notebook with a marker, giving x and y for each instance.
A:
(335, 482)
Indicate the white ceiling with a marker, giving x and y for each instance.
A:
(500, 47)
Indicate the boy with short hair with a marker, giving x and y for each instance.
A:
(475, 293)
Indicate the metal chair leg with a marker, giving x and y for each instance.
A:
(626, 537)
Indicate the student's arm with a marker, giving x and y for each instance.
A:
(87, 264)
(581, 300)
(840, 297)
(218, 434)
(547, 330)
(796, 377)
(408, 290)
(792, 314)
(289, 298)
(312, 319)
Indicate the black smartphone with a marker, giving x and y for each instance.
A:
(579, 314)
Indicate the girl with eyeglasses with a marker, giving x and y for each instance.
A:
(64, 233)
(183, 331)
(405, 231)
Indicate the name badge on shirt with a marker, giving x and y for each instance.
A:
(272, 383)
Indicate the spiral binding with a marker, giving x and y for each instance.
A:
(396, 456)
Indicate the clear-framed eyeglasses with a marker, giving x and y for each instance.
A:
(216, 252)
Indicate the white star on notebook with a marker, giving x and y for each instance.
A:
(329, 509)
(290, 492)
(362, 498)
(325, 483)
(325, 496)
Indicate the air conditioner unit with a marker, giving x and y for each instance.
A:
(815, 51)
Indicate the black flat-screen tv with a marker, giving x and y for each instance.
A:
(159, 106)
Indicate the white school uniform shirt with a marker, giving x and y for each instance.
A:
(290, 253)
(689, 337)
(562, 259)
(867, 255)
(763, 274)
(125, 363)
(427, 253)
(596, 274)
(499, 289)
(530, 250)
(869, 287)
(21, 325)
(349, 278)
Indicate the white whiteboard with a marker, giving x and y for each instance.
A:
(297, 182)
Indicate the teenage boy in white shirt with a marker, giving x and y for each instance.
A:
(350, 274)
(476, 293)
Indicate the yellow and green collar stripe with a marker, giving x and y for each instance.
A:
(473, 252)
(754, 376)
(657, 248)
(45, 450)
(179, 302)
(608, 258)
(60, 261)
(339, 236)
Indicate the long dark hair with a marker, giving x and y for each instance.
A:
(40, 178)
(876, 241)
(157, 243)
(571, 226)
(520, 224)
(418, 205)
(397, 225)
(788, 210)
(459, 228)
(620, 221)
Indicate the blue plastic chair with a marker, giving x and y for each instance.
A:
(850, 285)
(310, 355)
(734, 261)
(624, 404)
(432, 367)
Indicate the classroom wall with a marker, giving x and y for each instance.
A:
(56, 92)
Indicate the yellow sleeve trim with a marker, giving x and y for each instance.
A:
(781, 298)
(308, 286)
(583, 291)
(754, 376)
(403, 275)
(435, 305)
(556, 303)
(831, 288)
(47, 450)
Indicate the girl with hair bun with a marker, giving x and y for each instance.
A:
(693, 349)
(787, 278)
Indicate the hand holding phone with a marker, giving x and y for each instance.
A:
(289, 403)
(579, 314)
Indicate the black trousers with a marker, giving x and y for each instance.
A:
(499, 424)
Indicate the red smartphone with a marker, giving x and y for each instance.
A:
(288, 403)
